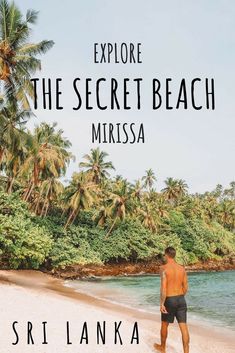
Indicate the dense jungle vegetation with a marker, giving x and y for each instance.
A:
(97, 217)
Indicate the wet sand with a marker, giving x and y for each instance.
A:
(37, 297)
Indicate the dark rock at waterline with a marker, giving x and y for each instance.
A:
(93, 272)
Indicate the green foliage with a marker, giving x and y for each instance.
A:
(65, 252)
(129, 241)
(73, 249)
(23, 244)
(12, 205)
(200, 240)
(104, 219)
(30, 241)
(223, 241)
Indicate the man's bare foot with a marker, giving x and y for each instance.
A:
(159, 348)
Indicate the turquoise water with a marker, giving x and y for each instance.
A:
(211, 296)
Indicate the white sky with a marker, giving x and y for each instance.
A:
(180, 39)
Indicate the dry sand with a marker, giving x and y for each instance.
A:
(36, 297)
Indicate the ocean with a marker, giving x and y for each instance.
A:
(211, 296)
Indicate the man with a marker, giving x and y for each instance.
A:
(174, 286)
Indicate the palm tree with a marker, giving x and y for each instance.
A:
(226, 214)
(121, 203)
(80, 195)
(230, 192)
(162, 207)
(210, 207)
(182, 187)
(12, 132)
(18, 56)
(175, 188)
(118, 178)
(193, 207)
(137, 189)
(12, 166)
(149, 178)
(102, 215)
(13, 141)
(171, 191)
(50, 190)
(148, 217)
(218, 191)
(96, 165)
(47, 157)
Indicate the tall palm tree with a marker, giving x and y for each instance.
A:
(171, 191)
(175, 188)
(96, 165)
(80, 195)
(182, 187)
(12, 166)
(121, 203)
(149, 178)
(47, 157)
(18, 56)
(148, 217)
(12, 132)
(137, 189)
(13, 141)
(50, 190)
(218, 191)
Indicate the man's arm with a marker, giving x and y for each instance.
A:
(185, 283)
(163, 290)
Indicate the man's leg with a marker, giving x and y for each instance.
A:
(164, 329)
(185, 336)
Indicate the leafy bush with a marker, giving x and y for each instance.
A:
(223, 242)
(200, 240)
(128, 242)
(12, 205)
(22, 244)
(72, 250)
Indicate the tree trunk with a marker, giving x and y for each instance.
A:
(2, 150)
(37, 204)
(63, 213)
(30, 190)
(74, 217)
(10, 185)
(35, 174)
(111, 228)
(69, 219)
(26, 191)
(46, 210)
(45, 202)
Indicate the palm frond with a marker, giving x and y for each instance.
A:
(31, 16)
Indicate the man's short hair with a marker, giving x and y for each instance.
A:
(170, 251)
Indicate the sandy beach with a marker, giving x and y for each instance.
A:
(31, 298)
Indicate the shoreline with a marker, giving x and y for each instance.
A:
(194, 319)
(50, 288)
(137, 269)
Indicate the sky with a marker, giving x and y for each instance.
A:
(179, 39)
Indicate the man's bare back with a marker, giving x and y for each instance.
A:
(176, 279)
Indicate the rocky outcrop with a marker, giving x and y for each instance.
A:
(126, 269)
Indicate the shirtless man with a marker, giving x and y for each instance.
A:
(174, 285)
